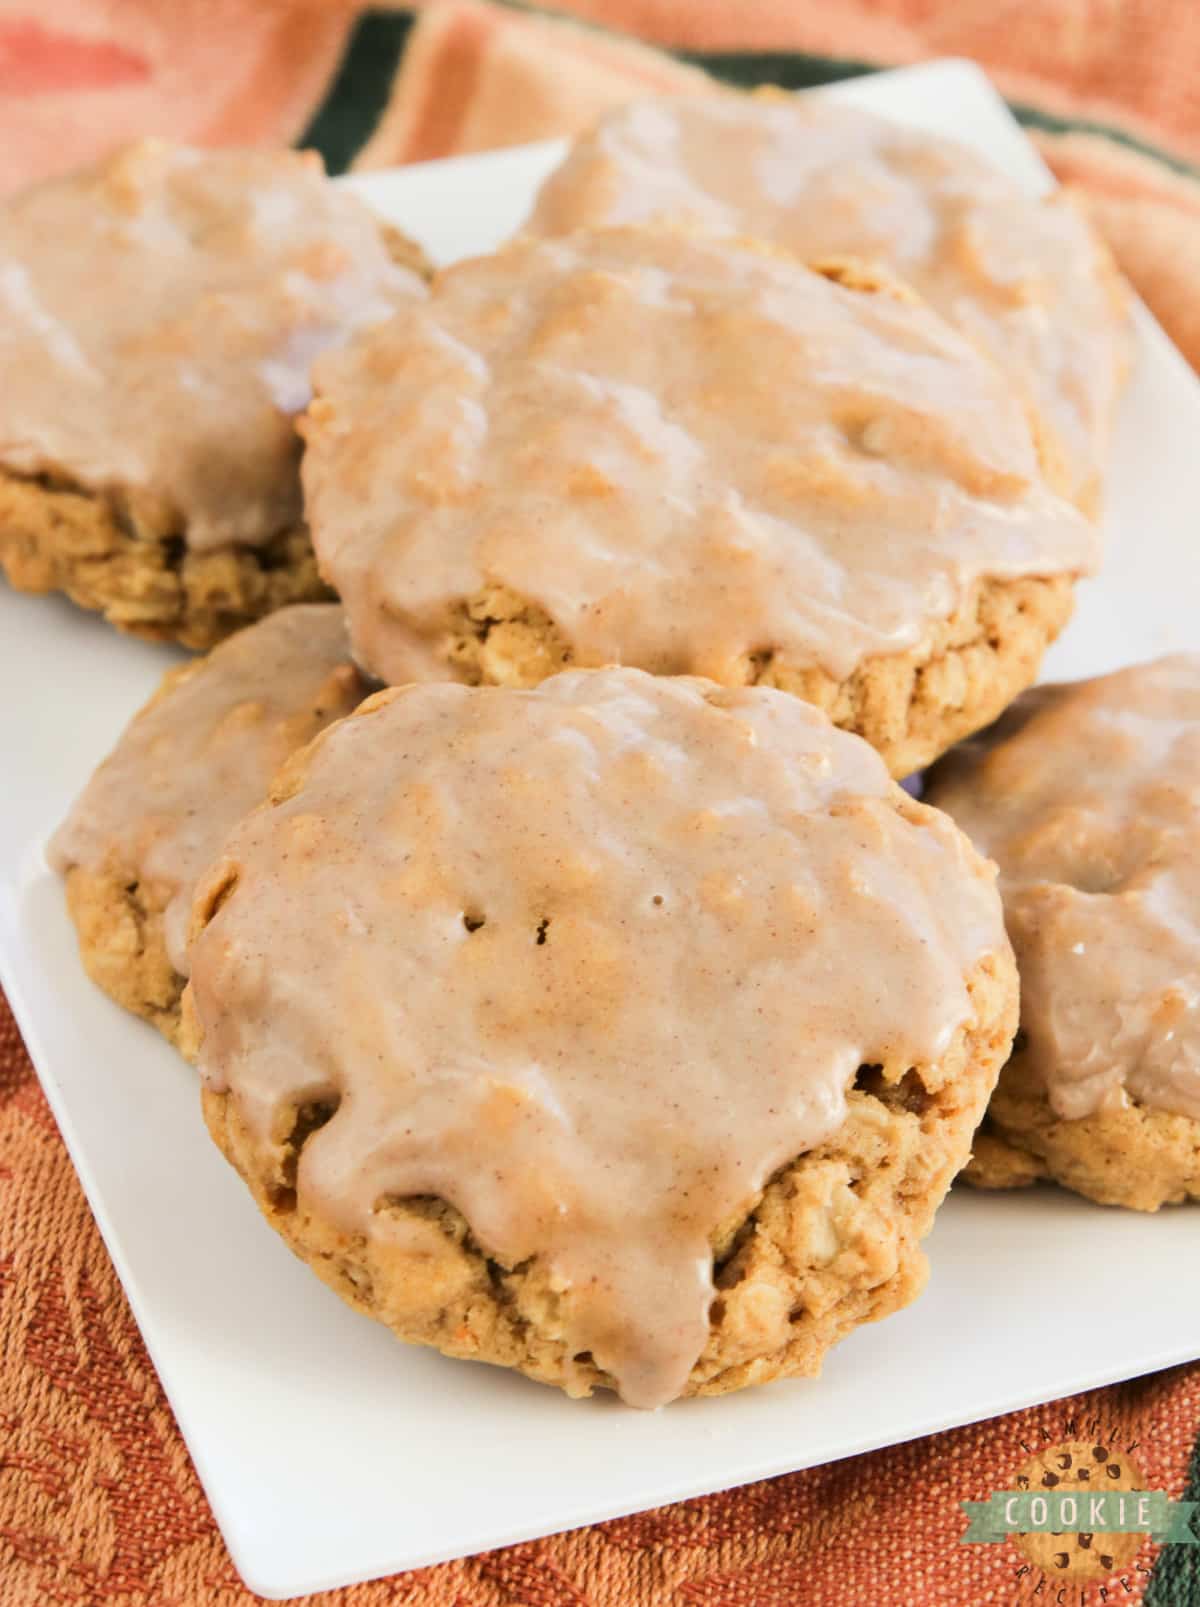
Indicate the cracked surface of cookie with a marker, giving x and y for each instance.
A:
(1088, 798)
(538, 1023)
(695, 457)
(189, 765)
(158, 316)
(1027, 278)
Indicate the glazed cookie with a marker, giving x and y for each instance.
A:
(627, 1031)
(696, 457)
(1088, 797)
(158, 316)
(197, 758)
(1028, 279)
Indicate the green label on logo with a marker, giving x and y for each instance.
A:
(1081, 1512)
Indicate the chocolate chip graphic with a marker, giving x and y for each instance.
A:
(1061, 1560)
(1100, 1452)
(1049, 1480)
(1085, 1541)
(1113, 1470)
(1106, 1562)
(1064, 1462)
(1022, 1481)
(1084, 1473)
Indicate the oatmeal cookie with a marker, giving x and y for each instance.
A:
(1026, 278)
(626, 1031)
(1088, 798)
(197, 758)
(645, 447)
(158, 316)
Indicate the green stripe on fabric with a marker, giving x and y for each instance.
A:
(1031, 117)
(1175, 1581)
(361, 88)
(747, 69)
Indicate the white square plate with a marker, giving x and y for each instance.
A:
(331, 1453)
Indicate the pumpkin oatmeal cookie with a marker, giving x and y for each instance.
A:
(158, 316)
(197, 758)
(538, 1024)
(1088, 798)
(645, 447)
(1026, 278)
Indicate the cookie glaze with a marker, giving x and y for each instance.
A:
(158, 316)
(203, 752)
(1027, 279)
(681, 453)
(1088, 797)
(589, 962)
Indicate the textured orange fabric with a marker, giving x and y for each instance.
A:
(475, 77)
(99, 1503)
(77, 76)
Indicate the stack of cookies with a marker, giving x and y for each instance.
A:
(570, 980)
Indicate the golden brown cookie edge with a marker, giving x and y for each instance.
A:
(1132, 1155)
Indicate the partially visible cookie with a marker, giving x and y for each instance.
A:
(695, 456)
(158, 316)
(1088, 798)
(627, 1031)
(189, 765)
(1028, 279)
